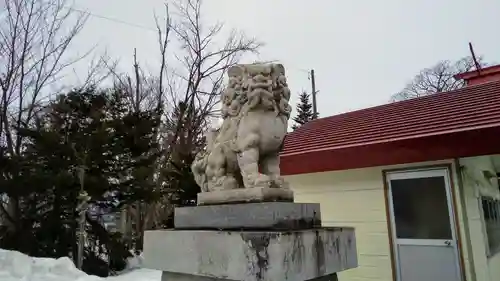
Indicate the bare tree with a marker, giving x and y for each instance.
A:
(34, 38)
(198, 83)
(438, 78)
(189, 93)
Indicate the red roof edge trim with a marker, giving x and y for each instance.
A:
(432, 148)
(483, 75)
(494, 69)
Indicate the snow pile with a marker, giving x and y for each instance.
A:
(135, 275)
(15, 266)
(135, 262)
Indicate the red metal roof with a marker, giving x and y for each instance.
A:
(467, 109)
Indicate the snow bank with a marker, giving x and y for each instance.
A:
(15, 266)
(135, 261)
(135, 275)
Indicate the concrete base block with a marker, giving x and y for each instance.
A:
(267, 215)
(171, 276)
(251, 255)
(245, 195)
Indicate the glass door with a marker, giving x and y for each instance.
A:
(423, 227)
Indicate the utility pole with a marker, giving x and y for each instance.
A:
(83, 205)
(81, 208)
(478, 66)
(313, 86)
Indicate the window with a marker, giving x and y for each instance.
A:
(491, 215)
(421, 208)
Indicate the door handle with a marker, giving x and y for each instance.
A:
(447, 243)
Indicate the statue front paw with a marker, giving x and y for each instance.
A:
(279, 182)
(262, 181)
(229, 182)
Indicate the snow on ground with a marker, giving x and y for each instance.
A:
(135, 275)
(15, 266)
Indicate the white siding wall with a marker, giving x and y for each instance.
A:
(356, 198)
(487, 268)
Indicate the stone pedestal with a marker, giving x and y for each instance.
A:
(169, 276)
(263, 216)
(270, 241)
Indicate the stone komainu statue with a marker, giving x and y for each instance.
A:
(255, 109)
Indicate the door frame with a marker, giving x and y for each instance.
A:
(451, 195)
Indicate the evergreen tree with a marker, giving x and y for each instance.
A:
(178, 174)
(304, 111)
(84, 128)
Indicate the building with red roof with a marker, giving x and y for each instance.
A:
(418, 179)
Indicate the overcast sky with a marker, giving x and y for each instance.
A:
(361, 50)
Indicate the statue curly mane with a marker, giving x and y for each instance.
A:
(256, 87)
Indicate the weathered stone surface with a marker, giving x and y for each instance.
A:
(268, 215)
(245, 195)
(172, 276)
(252, 255)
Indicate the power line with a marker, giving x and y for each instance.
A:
(112, 19)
